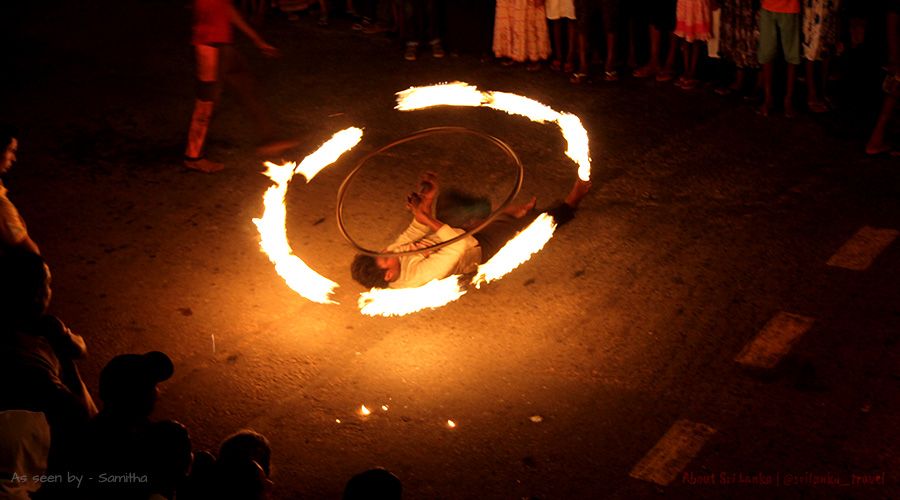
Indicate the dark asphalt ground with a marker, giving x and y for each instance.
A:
(704, 222)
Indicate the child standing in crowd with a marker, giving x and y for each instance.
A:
(661, 15)
(693, 25)
(562, 13)
(610, 9)
(520, 32)
(739, 39)
(820, 36)
(779, 19)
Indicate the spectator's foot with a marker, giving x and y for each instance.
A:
(555, 65)
(323, 21)
(569, 67)
(578, 192)
(789, 111)
(578, 78)
(665, 76)
(765, 109)
(375, 29)
(729, 90)
(506, 62)
(817, 107)
(437, 50)
(645, 71)
(203, 165)
(410, 53)
(611, 76)
(533, 66)
(687, 83)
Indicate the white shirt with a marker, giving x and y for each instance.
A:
(418, 269)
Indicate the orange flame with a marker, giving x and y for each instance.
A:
(519, 249)
(271, 226)
(402, 301)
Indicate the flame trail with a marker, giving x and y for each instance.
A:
(402, 301)
(523, 106)
(519, 249)
(271, 226)
(463, 94)
(445, 94)
(577, 139)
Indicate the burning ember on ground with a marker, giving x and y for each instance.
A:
(397, 302)
(451, 424)
(364, 411)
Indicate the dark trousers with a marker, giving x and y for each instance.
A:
(493, 237)
(420, 21)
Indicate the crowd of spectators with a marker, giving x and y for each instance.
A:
(749, 48)
(56, 443)
(49, 422)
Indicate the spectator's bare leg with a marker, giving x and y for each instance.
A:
(789, 91)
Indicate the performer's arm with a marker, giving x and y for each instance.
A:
(257, 40)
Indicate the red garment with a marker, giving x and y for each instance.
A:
(212, 22)
(782, 6)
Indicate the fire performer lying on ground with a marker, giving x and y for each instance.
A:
(461, 257)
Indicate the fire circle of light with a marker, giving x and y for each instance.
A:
(397, 302)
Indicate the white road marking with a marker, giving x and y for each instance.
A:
(859, 252)
(775, 340)
(673, 452)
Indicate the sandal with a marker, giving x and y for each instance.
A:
(689, 84)
(578, 78)
(665, 76)
(645, 72)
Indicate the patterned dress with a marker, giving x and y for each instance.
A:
(520, 31)
(739, 36)
(693, 20)
(820, 28)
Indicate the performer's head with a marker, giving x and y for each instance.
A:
(375, 272)
(8, 147)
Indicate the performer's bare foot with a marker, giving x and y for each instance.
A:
(203, 165)
(519, 211)
(579, 191)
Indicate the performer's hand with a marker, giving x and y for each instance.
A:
(268, 50)
(429, 188)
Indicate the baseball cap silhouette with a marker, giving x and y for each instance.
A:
(127, 373)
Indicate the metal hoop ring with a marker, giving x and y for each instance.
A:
(418, 135)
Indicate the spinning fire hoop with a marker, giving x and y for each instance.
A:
(342, 191)
(396, 302)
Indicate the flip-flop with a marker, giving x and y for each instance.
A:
(644, 72)
(664, 76)
(578, 78)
